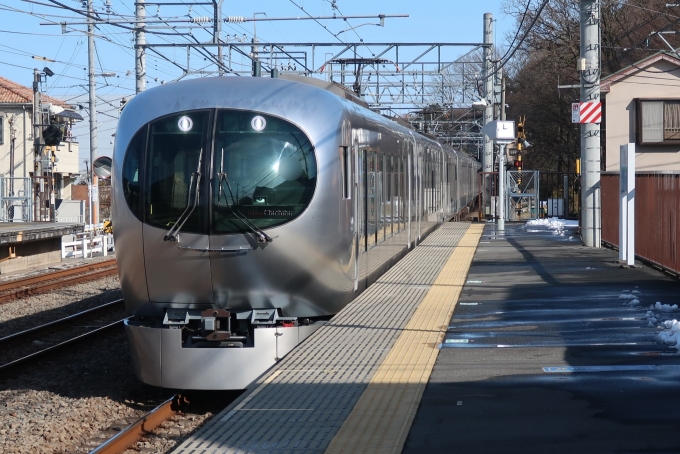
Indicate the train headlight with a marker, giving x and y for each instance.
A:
(258, 123)
(185, 124)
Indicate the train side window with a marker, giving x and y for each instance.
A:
(131, 175)
(346, 169)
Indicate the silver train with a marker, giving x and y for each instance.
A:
(250, 210)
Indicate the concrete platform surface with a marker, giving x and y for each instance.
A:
(553, 349)
(16, 232)
(355, 384)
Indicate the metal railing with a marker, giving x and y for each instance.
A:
(16, 199)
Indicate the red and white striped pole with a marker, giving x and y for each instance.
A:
(590, 112)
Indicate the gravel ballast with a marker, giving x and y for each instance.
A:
(77, 398)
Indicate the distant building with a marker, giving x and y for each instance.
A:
(642, 106)
(16, 135)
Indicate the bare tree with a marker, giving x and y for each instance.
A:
(547, 58)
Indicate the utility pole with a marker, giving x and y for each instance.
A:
(488, 76)
(503, 98)
(217, 34)
(38, 185)
(93, 188)
(140, 50)
(591, 213)
(12, 138)
(501, 186)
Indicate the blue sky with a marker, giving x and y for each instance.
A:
(22, 37)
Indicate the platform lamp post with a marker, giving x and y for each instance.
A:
(502, 133)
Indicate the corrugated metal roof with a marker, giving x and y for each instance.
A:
(14, 93)
(68, 113)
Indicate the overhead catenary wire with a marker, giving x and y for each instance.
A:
(511, 52)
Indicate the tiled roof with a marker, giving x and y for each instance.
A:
(14, 93)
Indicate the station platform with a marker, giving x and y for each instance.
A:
(552, 348)
(24, 245)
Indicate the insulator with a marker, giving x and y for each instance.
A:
(201, 19)
(235, 19)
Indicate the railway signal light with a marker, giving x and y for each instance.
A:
(518, 162)
(521, 135)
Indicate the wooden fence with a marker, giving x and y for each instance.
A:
(657, 216)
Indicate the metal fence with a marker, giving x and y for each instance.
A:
(522, 192)
(16, 199)
(657, 216)
(559, 194)
(488, 189)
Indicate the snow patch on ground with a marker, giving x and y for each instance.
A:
(554, 224)
(670, 334)
(663, 307)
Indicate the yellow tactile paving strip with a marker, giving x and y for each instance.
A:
(300, 405)
(381, 419)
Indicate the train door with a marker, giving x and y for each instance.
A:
(410, 186)
(456, 193)
(175, 209)
(419, 173)
(356, 211)
(371, 202)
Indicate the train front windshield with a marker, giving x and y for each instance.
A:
(266, 171)
(253, 168)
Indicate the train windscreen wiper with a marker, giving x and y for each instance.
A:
(172, 234)
(223, 178)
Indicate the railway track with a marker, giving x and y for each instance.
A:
(21, 288)
(144, 425)
(184, 404)
(28, 345)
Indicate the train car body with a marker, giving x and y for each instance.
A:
(248, 210)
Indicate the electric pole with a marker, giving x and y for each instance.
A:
(38, 183)
(217, 34)
(591, 213)
(488, 76)
(94, 190)
(140, 50)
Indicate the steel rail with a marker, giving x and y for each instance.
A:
(52, 348)
(61, 321)
(126, 438)
(21, 288)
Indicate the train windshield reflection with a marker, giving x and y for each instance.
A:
(265, 172)
(172, 164)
